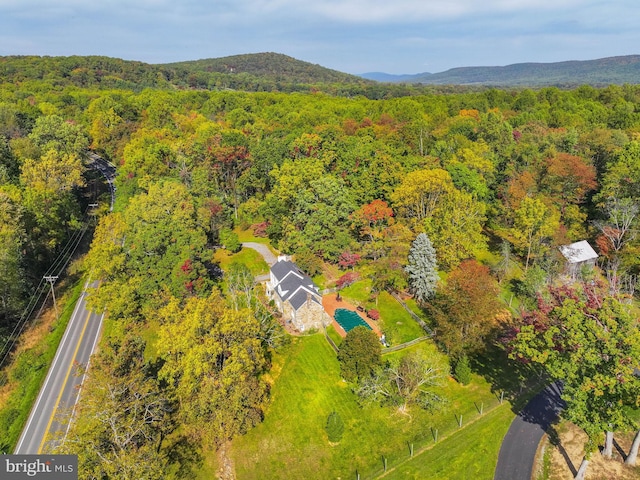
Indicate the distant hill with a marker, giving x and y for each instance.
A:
(274, 66)
(600, 72)
(252, 72)
(277, 72)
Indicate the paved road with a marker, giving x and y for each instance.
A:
(61, 388)
(52, 412)
(520, 444)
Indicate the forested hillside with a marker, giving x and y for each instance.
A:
(274, 66)
(570, 74)
(254, 72)
(496, 180)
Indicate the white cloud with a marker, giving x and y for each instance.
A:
(376, 11)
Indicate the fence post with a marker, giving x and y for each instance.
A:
(460, 421)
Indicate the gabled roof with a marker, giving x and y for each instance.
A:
(578, 252)
(282, 268)
(300, 297)
(292, 284)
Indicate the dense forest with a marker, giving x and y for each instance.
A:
(265, 72)
(495, 179)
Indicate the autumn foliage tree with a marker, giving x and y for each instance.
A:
(467, 310)
(589, 341)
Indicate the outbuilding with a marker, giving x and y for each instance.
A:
(577, 256)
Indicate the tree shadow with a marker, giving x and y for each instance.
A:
(510, 380)
(185, 456)
(554, 439)
(622, 453)
(545, 407)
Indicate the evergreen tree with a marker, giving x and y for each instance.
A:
(334, 427)
(422, 268)
(462, 371)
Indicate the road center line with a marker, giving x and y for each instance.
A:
(64, 383)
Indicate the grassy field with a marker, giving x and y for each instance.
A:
(469, 453)
(292, 443)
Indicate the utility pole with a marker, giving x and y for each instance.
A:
(52, 279)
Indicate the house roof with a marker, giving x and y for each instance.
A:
(578, 252)
(292, 284)
(300, 297)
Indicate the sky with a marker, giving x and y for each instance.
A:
(352, 36)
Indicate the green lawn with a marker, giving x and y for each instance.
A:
(291, 442)
(246, 256)
(397, 324)
(248, 236)
(469, 453)
(334, 335)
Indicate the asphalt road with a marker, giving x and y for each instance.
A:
(52, 410)
(520, 444)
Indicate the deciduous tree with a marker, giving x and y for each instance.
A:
(534, 224)
(214, 360)
(591, 343)
(359, 354)
(417, 196)
(467, 309)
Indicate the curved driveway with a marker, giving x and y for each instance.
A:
(263, 250)
(520, 444)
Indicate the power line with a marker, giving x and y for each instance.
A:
(58, 266)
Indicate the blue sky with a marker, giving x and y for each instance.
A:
(353, 36)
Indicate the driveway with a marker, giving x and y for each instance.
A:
(520, 444)
(263, 250)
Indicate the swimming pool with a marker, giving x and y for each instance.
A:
(349, 320)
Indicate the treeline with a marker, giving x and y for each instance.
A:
(496, 180)
(42, 203)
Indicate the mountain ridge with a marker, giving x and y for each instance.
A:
(597, 72)
(278, 72)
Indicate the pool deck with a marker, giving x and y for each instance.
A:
(330, 305)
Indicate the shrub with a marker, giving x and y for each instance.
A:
(462, 371)
(260, 229)
(334, 427)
